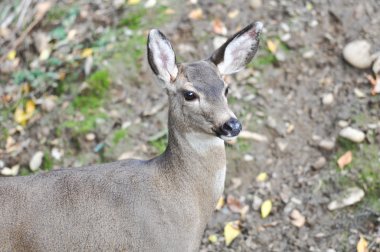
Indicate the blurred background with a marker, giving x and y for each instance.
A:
(76, 89)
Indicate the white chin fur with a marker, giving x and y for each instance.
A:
(228, 138)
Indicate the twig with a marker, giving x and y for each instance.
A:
(42, 8)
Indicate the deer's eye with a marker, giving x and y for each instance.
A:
(189, 96)
(226, 91)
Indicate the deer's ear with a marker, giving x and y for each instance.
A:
(161, 56)
(238, 50)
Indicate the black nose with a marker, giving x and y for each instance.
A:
(231, 128)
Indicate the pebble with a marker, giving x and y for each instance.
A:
(342, 124)
(281, 144)
(327, 144)
(10, 171)
(248, 157)
(376, 66)
(308, 54)
(255, 4)
(352, 134)
(286, 37)
(36, 161)
(49, 103)
(359, 93)
(330, 250)
(2, 164)
(218, 41)
(280, 56)
(328, 99)
(56, 153)
(257, 201)
(347, 198)
(90, 137)
(357, 53)
(297, 219)
(320, 163)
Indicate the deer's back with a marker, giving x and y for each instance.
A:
(113, 207)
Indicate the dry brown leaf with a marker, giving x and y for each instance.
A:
(233, 14)
(220, 203)
(297, 218)
(196, 14)
(218, 27)
(234, 204)
(42, 8)
(345, 159)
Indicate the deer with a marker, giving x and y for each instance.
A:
(160, 204)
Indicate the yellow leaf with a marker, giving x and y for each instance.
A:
(132, 2)
(233, 14)
(196, 14)
(266, 208)
(45, 54)
(19, 116)
(272, 46)
(263, 176)
(11, 55)
(231, 231)
(345, 159)
(220, 203)
(213, 238)
(87, 52)
(362, 245)
(30, 106)
(25, 88)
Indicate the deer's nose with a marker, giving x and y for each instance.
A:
(232, 127)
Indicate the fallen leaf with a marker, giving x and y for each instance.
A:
(233, 14)
(11, 55)
(234, 204)
(42, 8)
(196, 14)
(345, 159)
(297, 218)
(220, 203)
(25, 89)
(169, 11)
(133, 2)
(21, 116)
(272, 46)
(87, 52)
(362, 245)
(213, 238)
(231, 231)
(218, 27)
(30, 106)
(243, 212)
(262, 177)
(44, 55)
(266, 208)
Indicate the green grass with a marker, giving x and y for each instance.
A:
(88, 103)
(160, 144)
(363, 171)
(119, 135)
(48, 162)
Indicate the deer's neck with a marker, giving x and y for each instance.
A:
(196, 160)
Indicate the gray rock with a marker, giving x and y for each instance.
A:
(347, 198)
(257, 201)
(327, 99)
(36, 161)
(352, 134)
(357, 53)
(327, 144)
(319, 163)
(255, 4)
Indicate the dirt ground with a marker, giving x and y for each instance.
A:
(280, 96)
